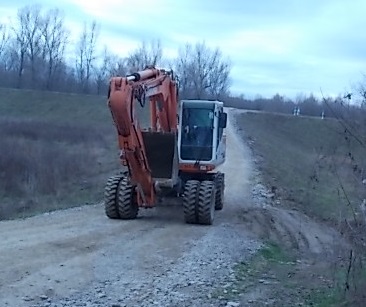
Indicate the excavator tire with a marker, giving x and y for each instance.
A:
(127, 204)
(190, 197)
(206, 202)
(110, 197)
(220, 187)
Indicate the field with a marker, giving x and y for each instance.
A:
(310, 164)
(57, 151)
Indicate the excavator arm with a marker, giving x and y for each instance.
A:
(124, 92)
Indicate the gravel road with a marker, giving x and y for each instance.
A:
(78, 257)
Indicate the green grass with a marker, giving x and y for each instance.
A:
(325, 298)
(272, 252)
(274, 271)
(270, 264)
(314, 164)
(336, 294)
(271, 255)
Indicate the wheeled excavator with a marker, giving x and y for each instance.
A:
(177, 155)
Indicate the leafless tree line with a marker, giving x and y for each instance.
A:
(36, 52)
(203, 72)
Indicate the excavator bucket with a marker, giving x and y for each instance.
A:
(160, 151)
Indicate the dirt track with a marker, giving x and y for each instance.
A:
(78, 257)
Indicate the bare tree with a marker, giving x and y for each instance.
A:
(147, 54)
(361, 92)
(54, 40)
(86, 55)
(18, 50)
(219, 77)
(4, 55)
(203, 72)
(29, 19)
(184, 68)
(102, 70)
(109, 66)
(4, 39)
(118, 66)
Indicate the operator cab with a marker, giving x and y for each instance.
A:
(202, 123)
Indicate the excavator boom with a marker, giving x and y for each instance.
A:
(160, 89)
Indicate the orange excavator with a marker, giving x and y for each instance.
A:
(177, 155)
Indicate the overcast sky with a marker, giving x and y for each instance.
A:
(283, 46)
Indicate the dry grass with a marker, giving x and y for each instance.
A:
(40, 160)
(311, 163)
(317, 166)
(57, 151)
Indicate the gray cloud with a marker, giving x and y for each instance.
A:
(283, 46)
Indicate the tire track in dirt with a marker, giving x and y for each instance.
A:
(315, 246)
(289, 227)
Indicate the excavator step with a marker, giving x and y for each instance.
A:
(160, 150)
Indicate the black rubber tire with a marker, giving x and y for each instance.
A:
(127, 204)
(220, 187)
(190, 197)
(206, 202)
(110, 197)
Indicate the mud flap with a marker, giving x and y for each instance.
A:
(160, 151)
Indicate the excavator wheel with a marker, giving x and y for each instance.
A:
(127, 203)
(220, 187)
(110, 197)
(206, 202)
(190, 197)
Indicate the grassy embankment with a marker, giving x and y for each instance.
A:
(311, 164)
(57, 150)
(316, 167)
